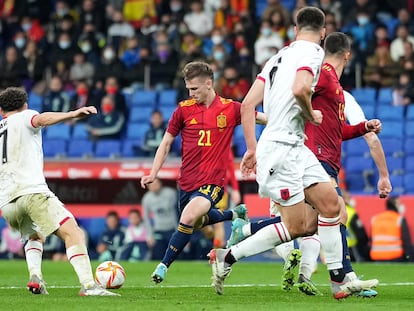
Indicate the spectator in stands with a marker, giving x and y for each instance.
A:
(403, 91)
(137, 11)
(216, 37)
(267, 44)
(119, 32)
(405, 18)
(55, 99)
(380, 69)
(169, 26)
(82, 97)
(232, 86)
(163, 67)
(381, 37)
(390, 234)
(63, 72)
(274, 5)
(136, 77)
(36, 65)
(137, 242)
(219, 56)
(109, 123)
(279, 23)
(130, 57)
(54, 249)
(67, 25)
(147, 31)
(159, 205)
(13, 69)
(357, 238)
(112, 239)
(92, 13)
(244, 64)
(109, 66)
(332, 6)
(91, 41)
(19, 41)
(11, 246)
(197, 20)
(112, 89)
(177, 10)
(62, 51)
(408, 54)
(397, 45)
(81, 69)
(34, 31)
(351, 11)
(154, 134)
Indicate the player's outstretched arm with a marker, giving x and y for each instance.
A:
(51, 118)
(159, 159)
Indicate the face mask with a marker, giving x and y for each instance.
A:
(163, 55)
(352, 202)
(64, 44)
(20, 42)
(290, 34)
(86, 47)
(216, 75)
(217, 39)
(266, 32)
(175, 7)
(363, 20)
(111, 89)
(218, 55)
(107, 108)
(109, 55)
(61, 12)
(244, 58)
(401, 209)
(26, 27)
(82, 91)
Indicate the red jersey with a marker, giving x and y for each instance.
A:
(206, 135)
(325, 140)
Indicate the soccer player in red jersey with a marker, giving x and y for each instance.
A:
(206, 123)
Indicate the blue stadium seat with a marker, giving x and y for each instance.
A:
(167, 111)
(110, 148)
(79, 131)
(395, 165)
(384, 96)
(392, 147)
(355, 164)
(176, 146)
(130, 149)
(355, 182)
(80, 148)
(167, 98)
(58, 131)
(369, 111)
(140, 114)
(35, 101)
(53, 148)
(409, 183)
(365, 96)
(144, 99)
(409, 129)
(392, 129)
(410, 112)
(409, 164)
(398, 185)
(95, 227)
(240, 146)
(356, 147)
(390, 113)
(409, 146)
(137, 131)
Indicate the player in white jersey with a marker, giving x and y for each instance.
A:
(26, 202)
(309, 246)
(288, 171)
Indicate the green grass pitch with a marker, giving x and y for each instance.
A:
(251, 286)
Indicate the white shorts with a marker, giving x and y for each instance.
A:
(40, 213)
(284, 171)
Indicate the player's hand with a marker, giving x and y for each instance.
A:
(145, 180)
(84, 112)
(374, 125)
(248, 163)
(316, 117)
(384, 187)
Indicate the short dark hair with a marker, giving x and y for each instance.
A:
(337, 43)
(310, 18)
(391, 203)
(12, 98)
(197, 70)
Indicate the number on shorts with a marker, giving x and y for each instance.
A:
(4, 154)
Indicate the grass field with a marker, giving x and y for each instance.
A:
(252, 286)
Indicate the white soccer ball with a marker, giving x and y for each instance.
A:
(110, 274)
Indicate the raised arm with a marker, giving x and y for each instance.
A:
(51, 118)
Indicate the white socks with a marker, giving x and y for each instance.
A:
(263, 240)
(310, 248)
(34, 252)
(283, 250)
(79, 258)
(331, 241)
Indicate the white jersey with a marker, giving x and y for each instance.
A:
(285, 119)
(21, 168)
(353, 111)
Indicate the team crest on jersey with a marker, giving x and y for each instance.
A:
(221, 121)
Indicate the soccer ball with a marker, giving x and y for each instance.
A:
(110, 274)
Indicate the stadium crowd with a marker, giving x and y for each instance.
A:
(72, 53)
